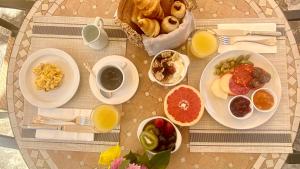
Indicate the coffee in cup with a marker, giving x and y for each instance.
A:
(110, 78)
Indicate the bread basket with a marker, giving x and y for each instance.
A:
(162, 41)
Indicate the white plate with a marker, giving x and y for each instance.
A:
(217, 108)
(130, 84)
(56, 97)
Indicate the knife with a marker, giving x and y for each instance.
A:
(238, 32)
(68, 128)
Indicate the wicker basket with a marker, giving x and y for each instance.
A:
(123, 16)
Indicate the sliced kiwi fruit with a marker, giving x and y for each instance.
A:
(152, 128)
(148, 140)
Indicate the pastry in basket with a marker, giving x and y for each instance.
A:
(166, 6)
(150, 27)
(136, 15)
(150, 8)
(178, 9)
(169, 24)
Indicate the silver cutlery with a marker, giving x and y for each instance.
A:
(79, 120)
(88, 68)
(68, 128)
(226, 40)
(238, 32)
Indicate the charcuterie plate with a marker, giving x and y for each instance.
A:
(240, 73)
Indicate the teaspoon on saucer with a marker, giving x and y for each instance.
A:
(88, 68)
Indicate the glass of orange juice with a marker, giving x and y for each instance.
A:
(105, 118)
(203, 44)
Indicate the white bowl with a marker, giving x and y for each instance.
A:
(186, 62)
(269, 91)
(247, 115)
(146, 121)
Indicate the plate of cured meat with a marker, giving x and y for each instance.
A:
(241, 89)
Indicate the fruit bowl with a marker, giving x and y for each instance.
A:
(145, 122)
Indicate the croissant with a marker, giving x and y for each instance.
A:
(136, 15)
(169, 24)
(150, 27)
(178, 9)
(150, 8)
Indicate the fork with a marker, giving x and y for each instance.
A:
(226, 40)
(80, 120)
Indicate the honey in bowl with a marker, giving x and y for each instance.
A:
(203, 44)
(105, 118)
(263, 100)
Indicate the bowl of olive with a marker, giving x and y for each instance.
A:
(158, 134)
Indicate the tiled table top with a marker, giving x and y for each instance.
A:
(37, 158)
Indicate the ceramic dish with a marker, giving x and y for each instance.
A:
(129, 87)
(247, 115)
(58, 96)
(270, 92)
(217, 108)
(186, 61)
(146, 121)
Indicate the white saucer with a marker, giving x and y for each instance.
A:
(129, 87)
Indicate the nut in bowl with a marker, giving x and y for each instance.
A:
(168, 68)
(158, 134)
(240, 107)
(264, 100)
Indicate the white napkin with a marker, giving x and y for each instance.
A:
(171, 40)
(248, 45)
(65, 114)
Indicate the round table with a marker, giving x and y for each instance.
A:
(38, 158)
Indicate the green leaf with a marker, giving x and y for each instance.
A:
(124, 164)
(143, 159)
(160, 160)
(132, 157)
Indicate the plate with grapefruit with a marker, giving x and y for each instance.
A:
(238, 73)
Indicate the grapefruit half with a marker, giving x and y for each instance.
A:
(183, 105)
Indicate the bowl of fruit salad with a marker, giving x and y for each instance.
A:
(158, 134)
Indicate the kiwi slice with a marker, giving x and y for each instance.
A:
(148, 140)
(152, 128)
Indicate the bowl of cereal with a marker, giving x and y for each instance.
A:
(49, 78)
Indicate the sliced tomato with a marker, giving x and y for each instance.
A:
(238, 89)
(242, 74)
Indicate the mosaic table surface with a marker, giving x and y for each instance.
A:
(207, 9)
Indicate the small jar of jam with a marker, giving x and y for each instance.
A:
(240, 107)
(264, 99)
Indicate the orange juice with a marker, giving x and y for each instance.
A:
(105, 118)
(203, 44)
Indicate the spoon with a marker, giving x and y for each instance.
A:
(88, 68)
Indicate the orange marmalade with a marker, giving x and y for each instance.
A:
(263, 100)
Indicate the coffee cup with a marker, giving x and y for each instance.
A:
(110, 78)
(94, 35)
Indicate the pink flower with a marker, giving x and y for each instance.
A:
(134, 166)
(143, 167)
(116, 163)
